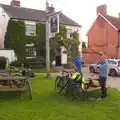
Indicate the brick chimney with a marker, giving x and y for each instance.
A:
(15, 3)
(102, 9)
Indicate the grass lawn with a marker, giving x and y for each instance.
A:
(43, 70)
(47, 105)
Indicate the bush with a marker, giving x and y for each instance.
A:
(26, 62)
(3, 62)
(16, 63)
(70, 59)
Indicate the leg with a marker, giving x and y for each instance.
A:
(100, 84)
(104, 92)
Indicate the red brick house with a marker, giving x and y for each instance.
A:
(103, 36)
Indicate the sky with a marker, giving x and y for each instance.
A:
(81, 11)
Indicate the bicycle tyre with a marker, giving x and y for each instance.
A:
(59, 83)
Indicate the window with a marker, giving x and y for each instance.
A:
(69, 33)
(112, 62)
(30, 51)
(98, 63)
(30, 29)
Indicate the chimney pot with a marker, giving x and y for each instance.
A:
(102, 9)
(15, 3)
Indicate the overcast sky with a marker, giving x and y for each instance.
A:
(82, 11)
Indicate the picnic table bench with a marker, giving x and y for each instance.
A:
(14, 86)
(91, 84)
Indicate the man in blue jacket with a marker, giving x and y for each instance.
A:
(103, 74)
(77, 62)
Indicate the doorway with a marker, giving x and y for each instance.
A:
(58, 58)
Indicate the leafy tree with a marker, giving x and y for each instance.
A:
(61, 39)
(15, 38)
(84, 47)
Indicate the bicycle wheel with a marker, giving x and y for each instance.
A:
(60, 83)
(64, 87)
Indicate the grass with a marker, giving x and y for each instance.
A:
(43, 70)
(47, 105)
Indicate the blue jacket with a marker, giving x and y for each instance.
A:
(103, 69)
(78, 62)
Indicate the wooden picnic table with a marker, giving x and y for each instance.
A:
(12, 80)
(90, 83)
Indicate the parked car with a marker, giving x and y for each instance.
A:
(114, 67)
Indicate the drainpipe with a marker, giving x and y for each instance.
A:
(106, 41)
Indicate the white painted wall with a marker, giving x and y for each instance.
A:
(4, 19)
(63, 56)
(75, 28)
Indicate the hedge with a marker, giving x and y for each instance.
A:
(3, 62)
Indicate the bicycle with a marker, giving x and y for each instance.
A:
(70, 88)
(61, 81)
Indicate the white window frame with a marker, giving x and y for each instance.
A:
(31, 45)
(30, 23)
(68, 33)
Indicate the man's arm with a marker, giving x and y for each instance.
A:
(81, 60)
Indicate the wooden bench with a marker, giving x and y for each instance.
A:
(12, 90)
(96, 88)
(91, 86)
(6, 80)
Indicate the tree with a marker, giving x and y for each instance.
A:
(61, 39)
(84, 47)
(15, 38)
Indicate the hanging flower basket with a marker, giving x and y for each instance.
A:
(65, 52)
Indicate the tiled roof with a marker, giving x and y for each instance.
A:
(114, 21)
(34, 15)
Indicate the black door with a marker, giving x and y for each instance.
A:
(58, 60)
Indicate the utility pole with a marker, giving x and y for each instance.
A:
(47, 41)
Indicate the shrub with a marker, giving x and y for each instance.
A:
(3, 62)
(16, 63)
